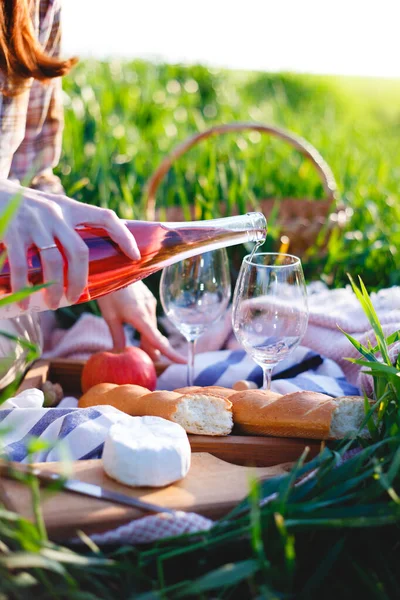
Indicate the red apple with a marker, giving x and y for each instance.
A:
(131, 365)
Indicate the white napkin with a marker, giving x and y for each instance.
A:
(32, 398)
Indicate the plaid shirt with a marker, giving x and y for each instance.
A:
(31, 123)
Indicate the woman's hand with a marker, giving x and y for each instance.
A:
(44, 217)
(136, 306)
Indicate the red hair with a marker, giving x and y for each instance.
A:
(21, 56)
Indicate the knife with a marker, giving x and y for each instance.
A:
(85, 489)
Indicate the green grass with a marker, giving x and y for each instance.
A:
(336, 534)
(123, 118)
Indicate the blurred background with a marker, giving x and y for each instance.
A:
(352, 37)
(151, 74)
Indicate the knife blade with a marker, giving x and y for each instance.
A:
(85, 489)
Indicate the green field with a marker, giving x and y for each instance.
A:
(332, 535)
(123, 118)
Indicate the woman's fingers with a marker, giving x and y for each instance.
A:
(136, 306)
(53, 271)
(116, 328)
(108, 220)
(144, 319)
(152, 341)
(148, 348)
(16, 253)
(52, 265)
(77, 255)
(161, 343)
(152, 338)
(120, 234)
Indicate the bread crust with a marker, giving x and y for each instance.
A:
(156, 404)
(244, 384)
(299, 414)
(218, 390)
(302, 414)
(188, 389)
(165, 404)
(95, 395)
(122, 397)
(262, 396)
(209, 394)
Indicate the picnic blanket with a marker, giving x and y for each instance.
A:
(312, 366)
(330, 312)
(319, 364)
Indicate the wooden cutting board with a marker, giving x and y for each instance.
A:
(257, 451)
(211, 488)
(252, 450)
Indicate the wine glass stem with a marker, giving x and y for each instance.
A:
(267, 371)
(190, 369)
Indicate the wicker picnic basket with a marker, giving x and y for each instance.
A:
(302, 221)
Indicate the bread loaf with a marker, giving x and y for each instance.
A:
(198, 412)
(188, 389)
(93, 395)
(299, 414)
(120, 396)
(213, 410)
(204, 413)
(216, 389)
(219, 390)
(201, 411)
(155, 404)
(244, 384)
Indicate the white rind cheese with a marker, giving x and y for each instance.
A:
(146, 451)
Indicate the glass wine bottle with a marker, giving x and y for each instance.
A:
(160, 245)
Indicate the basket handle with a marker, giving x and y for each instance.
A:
(322, 168)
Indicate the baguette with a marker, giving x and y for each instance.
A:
(200, 412)
(188, 389)
(215, 389)
(299, 414)
(219, 390)
(120, 396)
(260, 396)
(154, 404)
(244, 384)
(213, 410)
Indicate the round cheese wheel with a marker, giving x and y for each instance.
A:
(146, 451)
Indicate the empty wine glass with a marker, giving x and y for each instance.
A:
(270, 309)
(194, 294)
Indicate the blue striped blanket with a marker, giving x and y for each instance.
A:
(80, 433)
(304, 369)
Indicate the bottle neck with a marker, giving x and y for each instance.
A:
(252, 223)
(252, 226)
(259, 229)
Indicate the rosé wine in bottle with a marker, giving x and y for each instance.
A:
(160, 245)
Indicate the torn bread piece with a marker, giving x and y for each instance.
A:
(300, 414)
(204, 413)
(200, 412)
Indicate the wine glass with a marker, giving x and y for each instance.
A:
(270, 309)
(194, 294)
